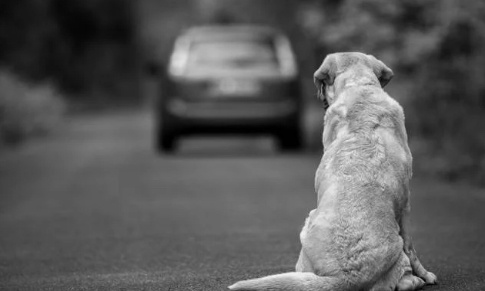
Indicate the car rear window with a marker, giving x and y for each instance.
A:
(232, 57)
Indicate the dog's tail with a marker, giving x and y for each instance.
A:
(293, 281)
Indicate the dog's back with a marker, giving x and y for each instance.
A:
(360, 181)
(365, 143)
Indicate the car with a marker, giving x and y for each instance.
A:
(230, 79)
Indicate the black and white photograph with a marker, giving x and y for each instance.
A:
(258, 145)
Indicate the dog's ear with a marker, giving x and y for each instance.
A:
(325, 76)
(386, 74)
(383, 72)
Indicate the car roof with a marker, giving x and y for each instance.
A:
(214, 32)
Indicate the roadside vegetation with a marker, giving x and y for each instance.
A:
(62, 55)
(436, 51)
(26, 109)
(94, 51)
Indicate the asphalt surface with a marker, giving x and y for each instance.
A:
(95, 208)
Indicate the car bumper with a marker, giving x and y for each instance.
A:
(233, 111)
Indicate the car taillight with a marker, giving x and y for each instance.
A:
(286, 58)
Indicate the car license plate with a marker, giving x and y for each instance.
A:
(235, 87)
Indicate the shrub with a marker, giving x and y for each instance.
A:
(449, 106)
(26, 109)
(436, 50)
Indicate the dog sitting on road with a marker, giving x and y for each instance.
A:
(358, 236)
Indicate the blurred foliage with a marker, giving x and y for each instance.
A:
(27, 109)
(93, 48)
(436, 49)
(85, 46)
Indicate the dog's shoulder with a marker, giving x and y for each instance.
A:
(368, 103)
(375, 107)
(334, 122)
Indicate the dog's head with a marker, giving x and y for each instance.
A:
(350, 67)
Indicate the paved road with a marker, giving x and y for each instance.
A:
(93, 208)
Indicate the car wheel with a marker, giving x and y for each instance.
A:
(165, 138)
(165, 142)
(290, 139)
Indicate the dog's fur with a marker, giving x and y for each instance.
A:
(358, 236)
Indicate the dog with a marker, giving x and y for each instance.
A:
(358, 236)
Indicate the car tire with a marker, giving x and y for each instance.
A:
(165, 137)
(165, 142)
(290, 139)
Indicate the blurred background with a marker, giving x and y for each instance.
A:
(59, 57)
(88, 203)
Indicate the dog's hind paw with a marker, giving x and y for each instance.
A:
(430, 278)
(410, 282)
